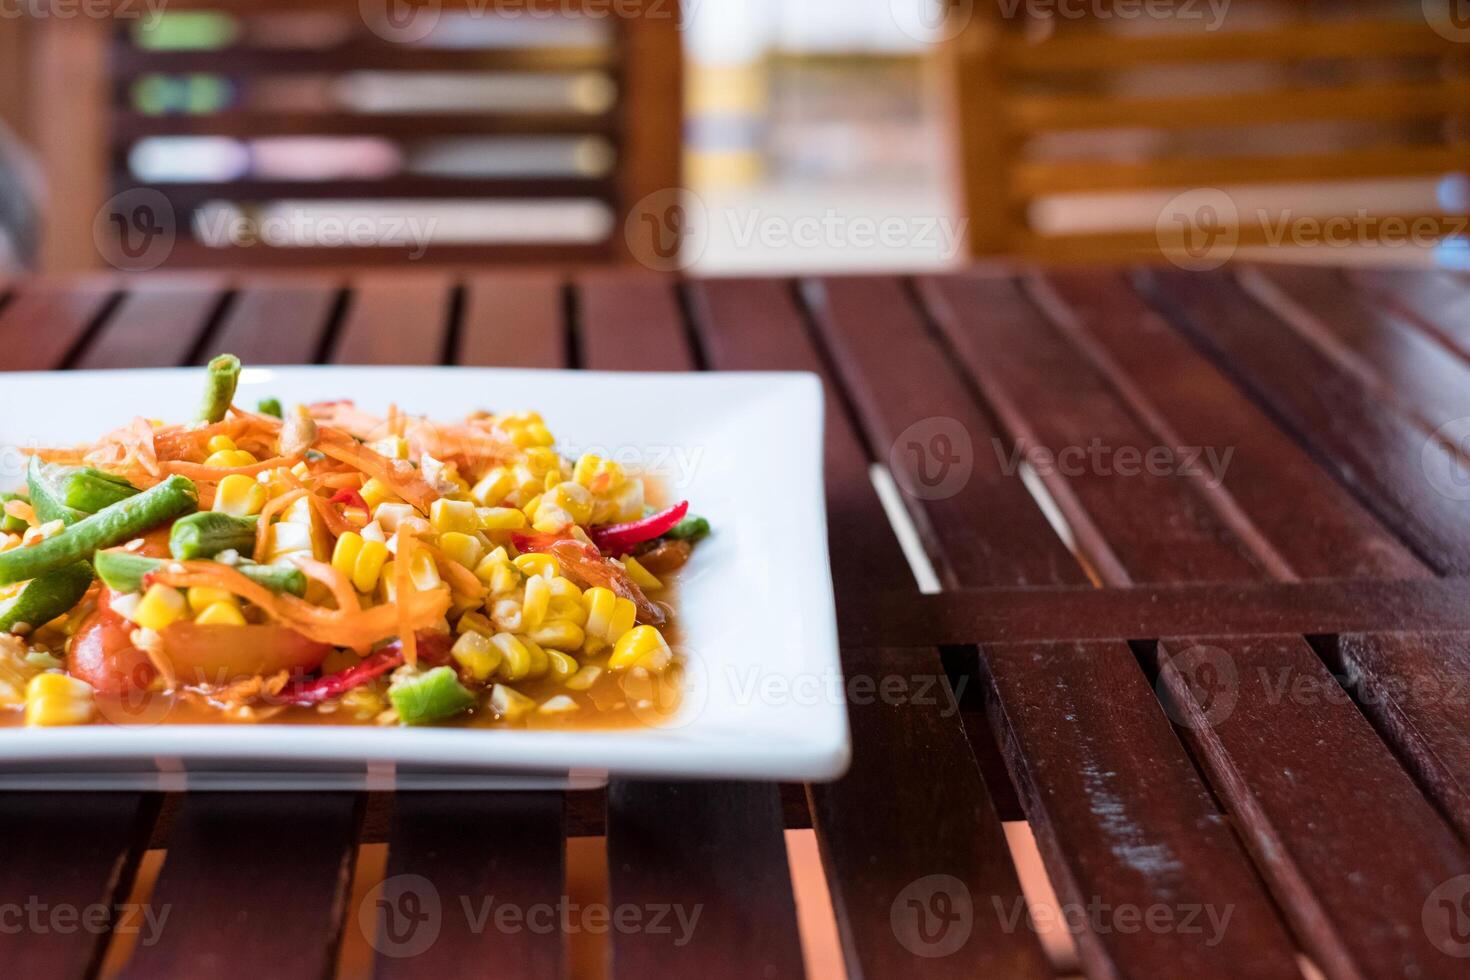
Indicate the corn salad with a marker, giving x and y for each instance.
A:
(336, 567)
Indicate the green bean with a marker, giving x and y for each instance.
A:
(45, 597)
(123, 571)
(91, 490)
(224, 375)
(46, 481)
(109, 526)
(689, 529)
(270, 406)
(207, 533)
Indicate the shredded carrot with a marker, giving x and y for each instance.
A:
(198, 471)
(331, 516)
(404, 482)
(338, 584)
(403, 587)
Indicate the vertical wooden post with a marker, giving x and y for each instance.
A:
(976, 95)
(652, 100)
(69, 98)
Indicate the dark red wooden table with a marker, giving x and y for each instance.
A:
(1227, 686)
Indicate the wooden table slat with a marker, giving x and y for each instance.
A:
(1435, 301)
(1374, 450)
(472, 856)
(72, 855)
(276, 321)
(402, 320)
(44, 321)
(256, 886)
(158, 323)
(1022, 364)
(657, 833)
(910, 754)
(1139, 802)
(512, 321)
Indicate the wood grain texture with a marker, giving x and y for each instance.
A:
(875, 863)
(45, 321)
(403, 320)
(1435, 301)
(511, 858)
(1374, 450)
(512, 321)
(275, 321)
(256, 884)
(157, 324)
(68, 860)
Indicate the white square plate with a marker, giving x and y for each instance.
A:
(762, 693)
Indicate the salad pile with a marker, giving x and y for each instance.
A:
(376, 570)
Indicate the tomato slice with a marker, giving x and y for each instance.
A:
(103, 655)
(219, 654)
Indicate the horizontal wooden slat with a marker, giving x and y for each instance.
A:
(513, 321)
(186, 196)
(1098, 51)
(44, 321)
(275, 321)
(530, 253)
(357, 55)
(404, 320)
(1398, 101)
(1040, 177)
(157, 324)
(1033, 615)
(133, 125)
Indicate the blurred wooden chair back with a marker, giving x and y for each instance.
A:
(338, 132)
(1104, 137)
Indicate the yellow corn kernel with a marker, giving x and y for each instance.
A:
(476, 654)
(375, 492)
(388, 582)
(509, 704)
(625, 614)
(559, 704)
(239, 496)
(57, 699)
(221, 614)
(551, 518)
(346, 552)
(478, 622)
(363, 702)
(230, 458)
(500, 519)
(629, 501)
(559, 635)
(370, 564)
(220, 444)
(461, 548)
(494, 487)
(453, 515)
(423, 572)
(567, 609)
(515, 662)
(641, 647)
(641, 576)
(540, 662)
(535, 563)
(394, 447)
(600, 604)
(535, 603)
(506, 615)
(201, 597)
(562, 666)
(498, 574)
(575, 499)
(564, 588)
(391, 515)
(160, 607)
(530, 507)
(583, 679)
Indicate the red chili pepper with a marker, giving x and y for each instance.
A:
(350, 497)
(433, 649)
(619, 539)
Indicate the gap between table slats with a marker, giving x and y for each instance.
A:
(718, 847)
(1141, 830)
(911, 764)
(1276, 761)
(46, 322)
